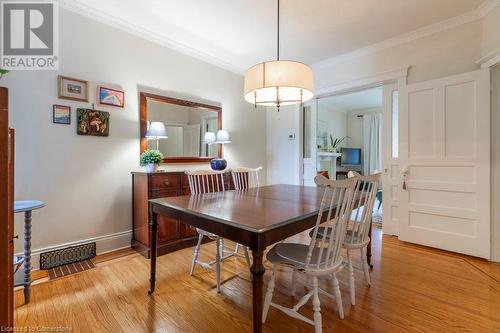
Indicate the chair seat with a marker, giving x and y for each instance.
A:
(293, 254)
(349, 242)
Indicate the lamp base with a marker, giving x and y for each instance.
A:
(218, 164)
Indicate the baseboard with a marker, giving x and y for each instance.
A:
(104, 244)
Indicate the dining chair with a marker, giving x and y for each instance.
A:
(208, 181)
(357, 236)
(318, 259)
(244, 178)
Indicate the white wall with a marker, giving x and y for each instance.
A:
(495, 161)
(445, 53)
(355, 126)
(283, 162)
(491, 32)
(354, 131)
(336, 121)
(86, 181)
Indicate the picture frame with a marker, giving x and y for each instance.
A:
(110, 97)
(92, 122)
(73, 89)
(61, 114)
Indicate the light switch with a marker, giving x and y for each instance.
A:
(291, 136)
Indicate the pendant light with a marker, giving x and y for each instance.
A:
(279, 82)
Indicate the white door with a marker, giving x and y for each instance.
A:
(308, 123)
(444, 154)
(391, 174)
(192, 140)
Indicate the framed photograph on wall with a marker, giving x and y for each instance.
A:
(61, 114)
(112, 97)
(73, 89)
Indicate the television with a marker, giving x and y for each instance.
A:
(350, 156)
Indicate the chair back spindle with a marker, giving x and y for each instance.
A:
(364, 200)
(337, 204)
(244, 178)
(206, 181)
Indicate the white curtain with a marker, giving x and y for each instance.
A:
(372, 143)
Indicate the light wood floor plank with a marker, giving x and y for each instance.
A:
(414, 289)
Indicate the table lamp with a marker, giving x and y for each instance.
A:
(156, 131)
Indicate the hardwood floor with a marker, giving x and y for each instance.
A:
(414, 289)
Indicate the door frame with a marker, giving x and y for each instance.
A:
(313, 104)
(396, 76)
(6, 213)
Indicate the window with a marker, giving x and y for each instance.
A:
(307, 132)
(395, 124)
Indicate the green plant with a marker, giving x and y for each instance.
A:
(2, 72)
(335, 143)
(151, 157)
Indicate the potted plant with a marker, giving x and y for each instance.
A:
(2, 72)
(335, 143)
(151, 159)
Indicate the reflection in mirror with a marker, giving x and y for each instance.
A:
(186, 127)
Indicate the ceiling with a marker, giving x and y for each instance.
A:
(239, 33)
(352, 102)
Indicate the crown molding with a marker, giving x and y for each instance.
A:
(77, 6)
(490, 60)
(361, 83)
(428, 30)
(486, 7)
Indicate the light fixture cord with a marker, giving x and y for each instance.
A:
(278, 32)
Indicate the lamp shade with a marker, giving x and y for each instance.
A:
(278, 83)
(209, 138)
(156, 130)
(223, 137)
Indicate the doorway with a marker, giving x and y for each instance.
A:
(349, 137)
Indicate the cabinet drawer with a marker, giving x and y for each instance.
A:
(165, 182)
(155, 194)
(168, 229)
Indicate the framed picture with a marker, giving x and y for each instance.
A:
(92, 122)
(61, 114)
(113, 97)
(74, 89)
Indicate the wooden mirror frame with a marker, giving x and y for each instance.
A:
(143, 110)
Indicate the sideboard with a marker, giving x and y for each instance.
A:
(172, 234)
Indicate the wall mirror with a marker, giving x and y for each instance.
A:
(185, 123)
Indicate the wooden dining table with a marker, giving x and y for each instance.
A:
(256, 218)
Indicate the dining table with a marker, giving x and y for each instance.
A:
(255, 217)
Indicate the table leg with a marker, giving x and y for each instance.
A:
(257, 270)
(153, 228)
(27, 256)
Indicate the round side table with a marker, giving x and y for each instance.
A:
(20, 279)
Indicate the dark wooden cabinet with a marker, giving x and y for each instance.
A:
(172, 233)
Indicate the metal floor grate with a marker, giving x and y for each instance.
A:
(67, 256)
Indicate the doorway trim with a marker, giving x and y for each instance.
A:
(392, 76)
(396, 76)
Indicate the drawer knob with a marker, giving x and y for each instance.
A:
(166, 182)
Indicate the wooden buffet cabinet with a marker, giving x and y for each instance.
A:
(172, 234)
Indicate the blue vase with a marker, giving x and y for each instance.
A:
(218, 164)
